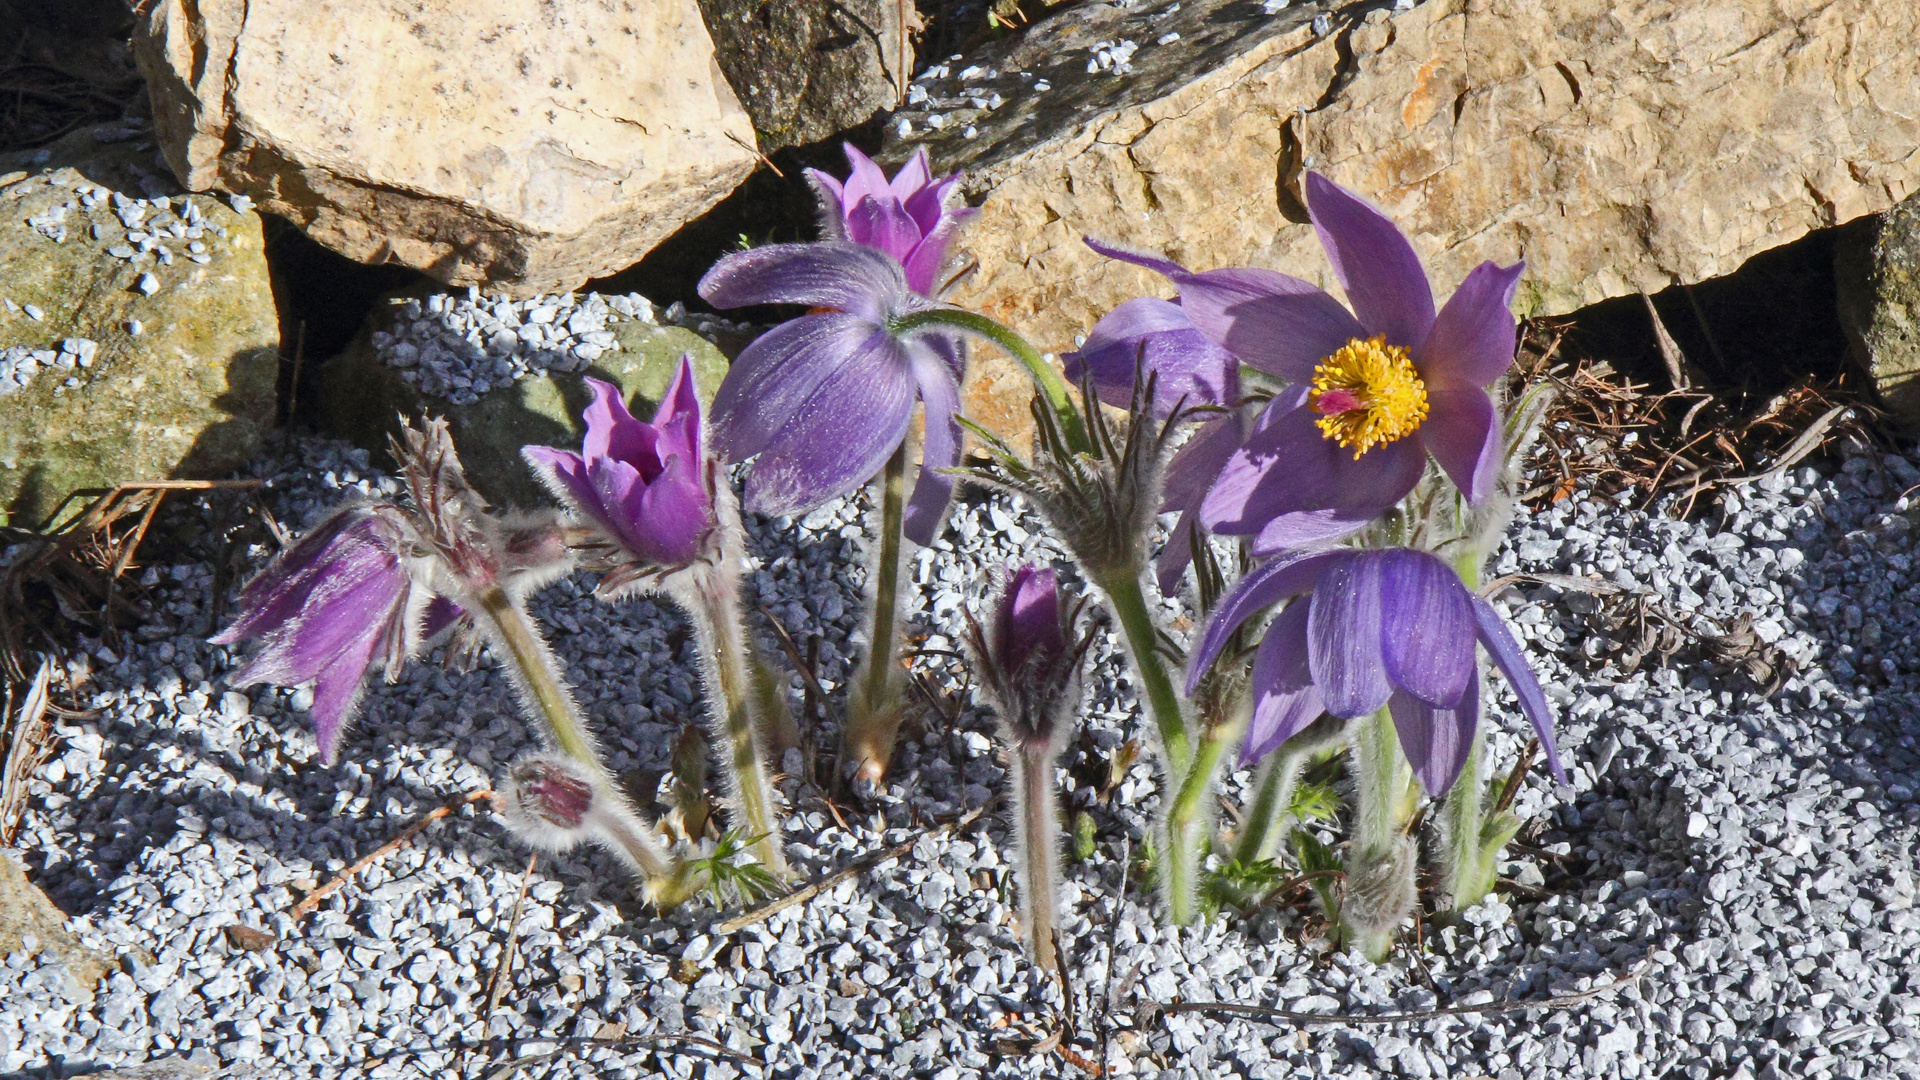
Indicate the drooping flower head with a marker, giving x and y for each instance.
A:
(334, 608)
(823, 399)
(1394, 628)
(907, 217)
(1373, 390)
(648, 489)
(371, 584)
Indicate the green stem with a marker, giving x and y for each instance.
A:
(1263, 831)
(1471, 865)
(1039, 849)
(532, 670)
(1188, 825)
(1163, 701)
(1380, 890)
(736, 725)
(873, 714)
(1051, 385)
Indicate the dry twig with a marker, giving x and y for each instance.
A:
(312, 899)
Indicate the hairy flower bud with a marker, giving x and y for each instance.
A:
(548, 801)
(1029, 661)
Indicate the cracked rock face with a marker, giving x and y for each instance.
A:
(512, 143)
(808, 69)
(1877, 271)
(1616, 146)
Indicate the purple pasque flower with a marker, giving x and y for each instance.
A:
(907, 217)
(1374, 390)
(334, 608)
(825, 398)
(1394, 628)
(647, 488)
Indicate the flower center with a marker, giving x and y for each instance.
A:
(1367, 393)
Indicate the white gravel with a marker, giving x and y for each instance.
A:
(1758, 851)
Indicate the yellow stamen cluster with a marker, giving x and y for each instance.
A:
(1377, 395)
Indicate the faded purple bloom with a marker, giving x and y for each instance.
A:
(333, 608)
(906, 217)
(648, 487)
(825, 398)
(1392, 628)
(1374, 390)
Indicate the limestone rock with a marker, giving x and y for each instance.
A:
(808, 69)
(93, 247)
(26, 913)
(1616, 145)
(362, 395)
(518, 143)
(1877, 272)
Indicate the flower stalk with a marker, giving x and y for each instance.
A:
(1189, 825)
(738, 728)
(1052, 387)
(1039, 841)
(1142, 637)
(874, 706)
(1380, 891)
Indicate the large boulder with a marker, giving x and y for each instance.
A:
(522, 144)
(1877, 272)
(1616, 145)
(808, 69)
(138, 339)
(506, 374)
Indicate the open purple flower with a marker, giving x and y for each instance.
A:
(1374, 390)
(647, 487)
(333, 608)
(906, 217)
(1392, 628)
(823, 399)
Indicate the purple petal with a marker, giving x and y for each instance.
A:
(1463, 434)
(826, 190)
(1285, 700)
(1270, 581)
(1376, 266)
(1289, 466)
(1298, 529)
(926, 510)
(619, 491)
(777, 374)
(613, 432)
(675, 514)
(1030, 617)
(677, 420)
(881, 223)
(839, 276)
(1506, 656)
(338, 613)
(1137, 258)
(913, 178)
(830, 441)
(1154, 333)
(1281, 325)
(865, 180)
(928, 260)
(1472, 340)
(1436, 741)
(337, 686)
(1343, 637)
(440, 614)
(1188, 477)
(352, 543)
(565, 475)
(1427, 629)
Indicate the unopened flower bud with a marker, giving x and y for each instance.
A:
(547, 800)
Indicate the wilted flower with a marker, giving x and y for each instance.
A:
(906, 217)
(1392, 628)
(1374, 390)
(334, 608)
(825, 398)
(647, 488)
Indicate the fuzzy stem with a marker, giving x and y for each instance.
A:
(1380, 886)
(874, 709)
(1163, 701)
(532, 669)
(734, 718)
(1052, 387)
(1039, 848)
(1189, 822)
(1264, 830)
(1471, 865)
